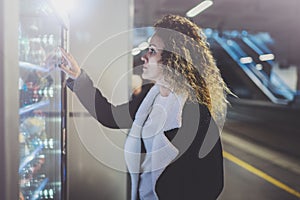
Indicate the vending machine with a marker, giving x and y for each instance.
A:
(42, 30)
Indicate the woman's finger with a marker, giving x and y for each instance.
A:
(66, 55)
(70, 59)
(73, 68)
(65, 69)
(69, 72)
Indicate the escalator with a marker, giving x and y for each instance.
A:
(250, 85)
(260, 48)
(238, 50)
(235, 78)
(254, 53)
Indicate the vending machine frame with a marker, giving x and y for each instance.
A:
(10, 100)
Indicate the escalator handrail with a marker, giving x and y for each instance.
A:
(264, 48)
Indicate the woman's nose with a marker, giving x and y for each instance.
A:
(144, 57)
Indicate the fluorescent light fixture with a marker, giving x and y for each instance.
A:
(246, 60)
(199, 8)
(266, 57)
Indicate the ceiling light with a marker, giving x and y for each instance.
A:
(266, 57)
(246, 60)
(199, 8)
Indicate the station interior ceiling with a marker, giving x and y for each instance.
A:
(277, 17)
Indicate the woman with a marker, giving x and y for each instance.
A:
(173, 150)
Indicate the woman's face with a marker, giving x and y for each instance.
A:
(152, 67)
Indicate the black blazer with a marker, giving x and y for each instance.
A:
(189, 176)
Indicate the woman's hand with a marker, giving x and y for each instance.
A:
(69, 65)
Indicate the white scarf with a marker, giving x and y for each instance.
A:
(149, 125)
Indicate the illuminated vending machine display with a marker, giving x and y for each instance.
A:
(42, 30)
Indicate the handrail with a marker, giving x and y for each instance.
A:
(260, 43)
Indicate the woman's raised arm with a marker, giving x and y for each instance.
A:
(111, 116)
(120, 116)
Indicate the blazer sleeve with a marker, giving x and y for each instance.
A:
(109, 115)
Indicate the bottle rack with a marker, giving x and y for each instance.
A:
(40, 102)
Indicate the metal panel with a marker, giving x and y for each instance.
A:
(98, 42)
(8, 99)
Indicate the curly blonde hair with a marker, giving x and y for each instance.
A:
(189, 66)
